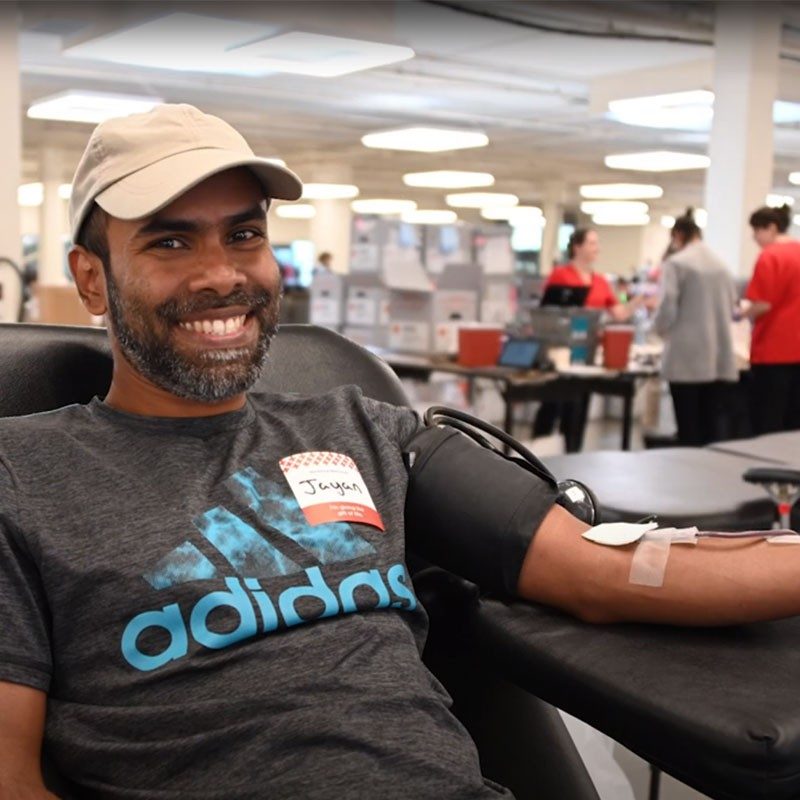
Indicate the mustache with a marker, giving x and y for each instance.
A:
(175, 309)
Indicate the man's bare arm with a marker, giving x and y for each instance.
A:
(22, 714)
(711, 583)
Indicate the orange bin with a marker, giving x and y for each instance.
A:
(479, 347)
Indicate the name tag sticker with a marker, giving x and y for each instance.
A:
(329, 488)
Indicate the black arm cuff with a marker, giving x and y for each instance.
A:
(470, 510)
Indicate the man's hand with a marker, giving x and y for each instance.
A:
(22, 714)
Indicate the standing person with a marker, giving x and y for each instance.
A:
(774, 294)
(583, 250)
(698, 297)
(323, 262)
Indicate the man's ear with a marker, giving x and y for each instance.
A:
(90, 278)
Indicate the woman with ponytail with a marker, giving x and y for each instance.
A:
(774, 295)
(694, 317)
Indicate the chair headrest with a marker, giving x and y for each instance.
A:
(43, 367)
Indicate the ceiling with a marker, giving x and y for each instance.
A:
(499, 67)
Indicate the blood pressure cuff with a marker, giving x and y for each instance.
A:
(470, 509)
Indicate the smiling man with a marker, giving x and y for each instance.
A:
(203, 589)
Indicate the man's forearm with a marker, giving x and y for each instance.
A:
(711, 583)
(22, 789)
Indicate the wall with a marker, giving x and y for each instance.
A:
(625, 249)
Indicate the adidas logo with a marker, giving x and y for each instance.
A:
(249, 553)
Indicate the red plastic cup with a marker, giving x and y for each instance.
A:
(617, 346)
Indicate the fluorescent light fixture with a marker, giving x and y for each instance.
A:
(429, 216)
(620, 219)
(181, 41)
(614, 207)
(296, 211)
(30, 194)
(329, 191)
(94, 107)
(657, 161)
(65, 191)
(319, 55)
(687, 111)
(778, 200)
(448, 179)
(480, 199)
(794, 177)
(701, 217)
(796, 219)
(425, 140)
(667, 221)
(383, 205)
(621, 191)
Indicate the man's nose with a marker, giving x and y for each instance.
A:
(216, 269)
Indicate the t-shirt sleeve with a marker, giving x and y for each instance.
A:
(397, 423)
(24, 633)
(761, 287)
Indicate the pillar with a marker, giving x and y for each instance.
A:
(11, 148)
(552, 208)
(51, 220)
(330, 231)
(746, 65)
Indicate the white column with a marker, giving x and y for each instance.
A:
(330, 231)
(51, 221)
(552, 208)
(746, 52)
(11, 149)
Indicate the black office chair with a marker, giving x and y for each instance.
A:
(522, 742)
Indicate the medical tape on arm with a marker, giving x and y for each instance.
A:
(649, 562)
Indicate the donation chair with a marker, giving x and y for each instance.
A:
(522, 742)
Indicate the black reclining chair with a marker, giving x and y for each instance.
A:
(523, 743)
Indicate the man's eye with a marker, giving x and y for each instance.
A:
(246, 235)
(170, 243)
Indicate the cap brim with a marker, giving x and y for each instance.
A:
(157, 185)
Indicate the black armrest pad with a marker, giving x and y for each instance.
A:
(772, 475)
(717, 708)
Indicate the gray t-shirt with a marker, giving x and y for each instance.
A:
(197, 635)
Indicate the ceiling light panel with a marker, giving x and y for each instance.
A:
(429, 216)
(383, 206)
(657, 161)
(621, 191)
(65, 191)
(30, 194)
(481, 199)
(778, 200)
(425, 140)
(448, 179)
(509, 213)
(296, 211)
(667, 221)
(620, 219)
(686, 111)
(320, 56)
(181, 41)
(794, 177)
(329, 191)
(614, 207)
(91, 107)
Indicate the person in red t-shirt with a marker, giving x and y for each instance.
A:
(774, 294)
(583, 249)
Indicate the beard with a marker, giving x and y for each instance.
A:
(145, 337)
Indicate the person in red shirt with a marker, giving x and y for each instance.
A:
(774, 294)
(583, 249)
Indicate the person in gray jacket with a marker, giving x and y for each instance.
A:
(694, 317)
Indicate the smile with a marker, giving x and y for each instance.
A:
(215, 327)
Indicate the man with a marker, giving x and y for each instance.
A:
(179, 620)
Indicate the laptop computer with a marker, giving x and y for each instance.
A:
(560, 295)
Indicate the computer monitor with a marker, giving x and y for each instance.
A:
(519, 353)
(560, 295)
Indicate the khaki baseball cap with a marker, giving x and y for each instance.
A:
(133, 166)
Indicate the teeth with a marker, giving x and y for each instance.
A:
(216, 327)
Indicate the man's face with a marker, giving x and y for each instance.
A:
(194, 291)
